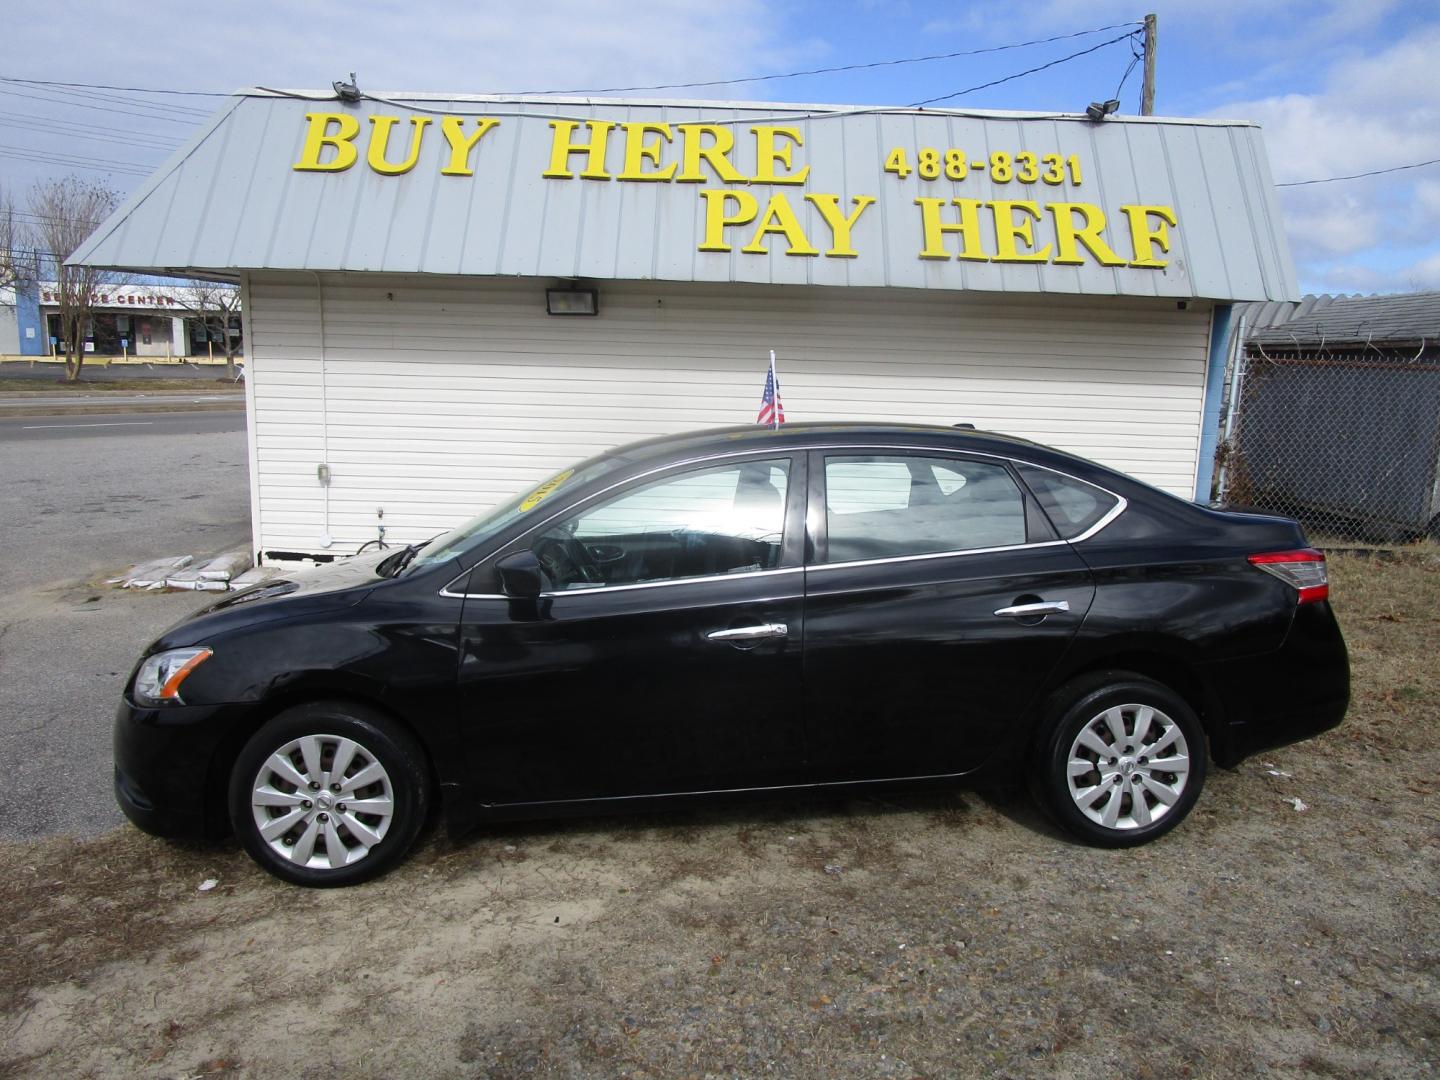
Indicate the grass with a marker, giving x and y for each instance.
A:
(1389, 609)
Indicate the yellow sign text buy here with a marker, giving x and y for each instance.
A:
(965, 229)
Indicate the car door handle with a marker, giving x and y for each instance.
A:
(1044, 607)
(750, 633)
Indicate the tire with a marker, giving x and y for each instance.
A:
(1123, 799)
(284, 800)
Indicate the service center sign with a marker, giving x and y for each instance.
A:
(1024, 207)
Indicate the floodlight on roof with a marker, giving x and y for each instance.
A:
(1099, 110)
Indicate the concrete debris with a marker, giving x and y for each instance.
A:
(234, 569)
(226, 567)
(194, 583)
(256, 575)
(152, 574)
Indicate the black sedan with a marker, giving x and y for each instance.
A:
(820, 607)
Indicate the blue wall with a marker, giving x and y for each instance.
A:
(33, 341)
(1214, 390)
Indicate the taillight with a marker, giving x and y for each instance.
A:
(1302, 569)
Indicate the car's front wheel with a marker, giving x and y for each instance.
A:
(1121, 760)
(328, 794)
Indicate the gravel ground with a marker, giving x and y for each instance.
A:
(916, 936)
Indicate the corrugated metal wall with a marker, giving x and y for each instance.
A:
(442, 396)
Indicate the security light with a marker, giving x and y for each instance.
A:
(572, 301)
(1098, 110)
(347, 91)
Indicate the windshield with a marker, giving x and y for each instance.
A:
(479, 529)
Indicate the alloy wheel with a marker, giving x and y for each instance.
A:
(1128, 767)
(322, 801)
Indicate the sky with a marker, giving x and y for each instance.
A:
(1339, 86)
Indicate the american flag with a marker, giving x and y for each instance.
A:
(772, 412)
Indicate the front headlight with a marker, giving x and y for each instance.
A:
(159, 678)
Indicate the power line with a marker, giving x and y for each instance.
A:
(89, 164)
(1359, 175)
(50, 217)
(1135, 56)
(58, 128)
(1022, 74)
(79, 87)
(834, 70)
(149, 108)
(74, 90)
(102, 129)
(99, 108)
(77, 157)
(104, 86)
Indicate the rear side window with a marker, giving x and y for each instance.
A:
(880, 506)
(1073, 506)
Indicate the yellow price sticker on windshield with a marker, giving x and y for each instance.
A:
(535, 497)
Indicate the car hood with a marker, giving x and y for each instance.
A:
(311, 582)
(304, 591)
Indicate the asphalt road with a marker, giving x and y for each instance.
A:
(80, 502)
(120, 425)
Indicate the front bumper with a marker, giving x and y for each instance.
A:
(172, 766)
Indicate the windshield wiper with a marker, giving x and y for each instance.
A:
(393, 564)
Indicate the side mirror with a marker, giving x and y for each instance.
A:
(521, 577)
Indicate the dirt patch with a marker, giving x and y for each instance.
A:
(952, 934)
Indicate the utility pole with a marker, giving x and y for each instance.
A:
(1147, 94)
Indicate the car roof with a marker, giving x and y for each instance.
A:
(799, 436)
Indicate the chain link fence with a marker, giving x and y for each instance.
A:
(1348, 442)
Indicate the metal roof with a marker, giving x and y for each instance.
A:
(231, 200)
(1346, 320)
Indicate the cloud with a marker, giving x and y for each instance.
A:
(1420, 275)
(1332, 225)
(425, 44)
(1372, 112)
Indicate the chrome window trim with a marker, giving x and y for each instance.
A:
(1119, 508)
(470, 596)
(711, 578)
(933, 555)
(1115, 511)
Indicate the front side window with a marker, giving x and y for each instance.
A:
(880, 506)
(726, 519)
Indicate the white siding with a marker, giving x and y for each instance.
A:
(439, 397)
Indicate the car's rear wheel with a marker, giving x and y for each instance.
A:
(1121, 760)
(328, 794)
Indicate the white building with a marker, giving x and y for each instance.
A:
(408, 264)
(139, 320)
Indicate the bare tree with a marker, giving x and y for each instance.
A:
(64, 214)
(15, 263)
(215, 305)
